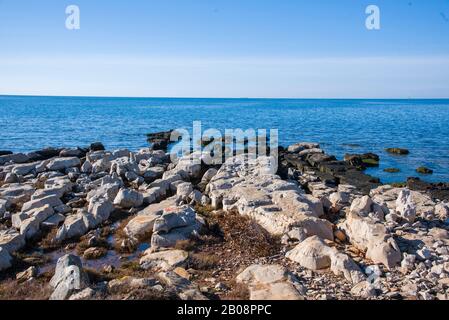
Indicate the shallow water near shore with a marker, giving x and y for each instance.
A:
(341, 126)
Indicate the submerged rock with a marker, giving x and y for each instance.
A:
(424, 170)
(399, 151)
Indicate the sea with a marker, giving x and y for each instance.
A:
(29, 123)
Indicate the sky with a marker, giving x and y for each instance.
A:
(226, 48)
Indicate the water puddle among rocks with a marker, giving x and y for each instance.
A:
(112, 257)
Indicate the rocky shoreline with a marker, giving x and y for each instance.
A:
(86, 223)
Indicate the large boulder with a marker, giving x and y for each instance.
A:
(29, 222)
(101, 209)
(405, 206)
(371, 236)
(313, 253)
(270, 282)
(142, 225)
(76, 225)
(174, 225)
(127, 198)
(69, 278)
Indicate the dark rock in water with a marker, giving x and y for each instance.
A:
(392, 170)
(159, 140)
(5, 153)
(316, 158)
(44, 154)
(75, 152)
(328, 170)
(438, 191)
(96, 146)
(351, 145)
(362, 161)
(358, 179)
(399, 151)
(424, 170)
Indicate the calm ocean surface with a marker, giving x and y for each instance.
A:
(341, 126)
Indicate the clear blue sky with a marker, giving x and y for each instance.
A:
(226, 48)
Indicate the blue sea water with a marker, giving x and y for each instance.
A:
(341, 126)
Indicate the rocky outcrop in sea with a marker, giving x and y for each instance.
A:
(86, 223)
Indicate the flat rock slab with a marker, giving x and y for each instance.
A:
(248, 185)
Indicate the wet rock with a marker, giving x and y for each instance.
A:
(96, 146)
(392, 170)
(270, 282)
(5, 153)
(159, 140)
(14, 158)
(69, 278)
(127, 198)
(164, 260)
(424, 170)
(301, 146)
(399, 151)
(72, 152)
(362, 160)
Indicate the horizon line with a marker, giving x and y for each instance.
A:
(218, 98)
